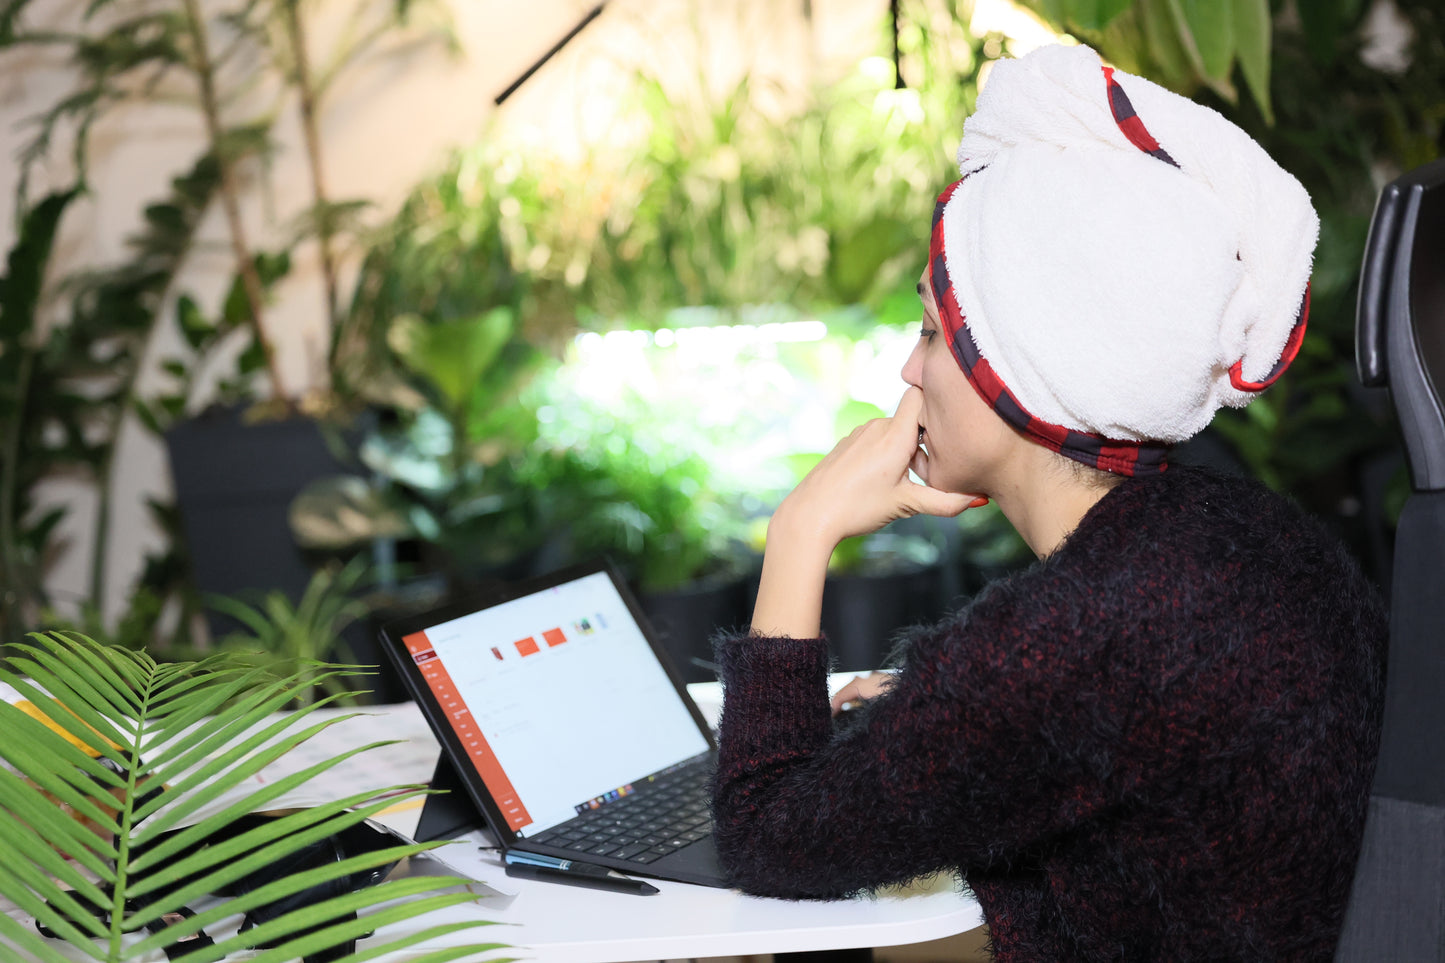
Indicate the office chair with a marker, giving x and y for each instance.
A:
(1397, 905)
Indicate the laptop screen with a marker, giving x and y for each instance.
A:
(557, 698)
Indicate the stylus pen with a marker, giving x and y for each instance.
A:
(574, 873)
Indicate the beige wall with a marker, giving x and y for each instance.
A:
(384, 128)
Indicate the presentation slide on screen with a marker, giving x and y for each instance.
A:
(557, 698)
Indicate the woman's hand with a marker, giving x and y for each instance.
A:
(859, 487)
(860, 689)
(863, 482)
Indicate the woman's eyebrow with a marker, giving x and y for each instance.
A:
(920, 290)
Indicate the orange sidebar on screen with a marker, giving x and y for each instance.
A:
(465, 726)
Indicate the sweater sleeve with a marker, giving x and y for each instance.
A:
(955, 765)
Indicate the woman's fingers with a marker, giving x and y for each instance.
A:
(910, 406)
(863, 483)
(904, 423)
(861, 688)
(922, 500)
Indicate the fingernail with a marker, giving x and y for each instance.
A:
(979, 502)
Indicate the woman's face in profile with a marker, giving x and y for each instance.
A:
(965, 441)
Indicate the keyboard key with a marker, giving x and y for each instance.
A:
(631, 850)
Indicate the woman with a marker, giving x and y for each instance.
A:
(1157, 742)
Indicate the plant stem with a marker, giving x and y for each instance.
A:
(245, 263)
(306, 89)
(100, 544)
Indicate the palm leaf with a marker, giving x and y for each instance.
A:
(125, 777)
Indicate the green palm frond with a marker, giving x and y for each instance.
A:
(125, 798)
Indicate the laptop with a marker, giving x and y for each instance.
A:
(564, 725)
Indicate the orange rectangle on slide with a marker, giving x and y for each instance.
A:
(554, 637)
(527, 646)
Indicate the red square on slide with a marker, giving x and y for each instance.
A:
(554, 637)
(527, 646)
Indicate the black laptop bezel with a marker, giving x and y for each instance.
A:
(393, 634)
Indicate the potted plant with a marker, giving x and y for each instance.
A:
(181, 51)
(126, 799)
(443, 461)
(238, 463)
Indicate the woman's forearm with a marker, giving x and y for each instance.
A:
(790, 593)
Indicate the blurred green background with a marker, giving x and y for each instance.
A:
(630, 345)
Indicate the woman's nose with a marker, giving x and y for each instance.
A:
(912, 372)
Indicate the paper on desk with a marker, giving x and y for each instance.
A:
(409, 761)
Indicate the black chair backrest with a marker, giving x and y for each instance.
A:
(1397, 905)
(1400, 322)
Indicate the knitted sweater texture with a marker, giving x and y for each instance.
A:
(1156, 744)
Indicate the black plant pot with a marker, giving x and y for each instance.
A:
(686, 618)
(863, 614)
(234, 484)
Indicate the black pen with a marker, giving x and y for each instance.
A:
(573, 873)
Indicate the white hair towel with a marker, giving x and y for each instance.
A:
(1126, 260)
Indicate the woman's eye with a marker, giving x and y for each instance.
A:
(927, 333)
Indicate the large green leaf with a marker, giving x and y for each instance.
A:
(1209, 35)
(25, 267)
(342, 512)
(1253, 33)
(172, 736)
(856, 258)
(1095, 14)
(454, 355)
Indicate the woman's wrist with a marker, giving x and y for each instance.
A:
(798, 527)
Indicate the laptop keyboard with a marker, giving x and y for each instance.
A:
(642, 827)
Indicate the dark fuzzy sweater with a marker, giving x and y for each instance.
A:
(1156, 744)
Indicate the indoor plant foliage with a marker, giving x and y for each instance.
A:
(295, 637)
(115, 753)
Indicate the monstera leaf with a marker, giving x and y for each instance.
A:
(125, 783)
(454, 355)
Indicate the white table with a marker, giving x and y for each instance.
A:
(553, 923)
(568, 924)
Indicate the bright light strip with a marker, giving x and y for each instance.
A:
(720, 336)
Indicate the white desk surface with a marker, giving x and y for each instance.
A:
(568, 924)
(553, 923)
